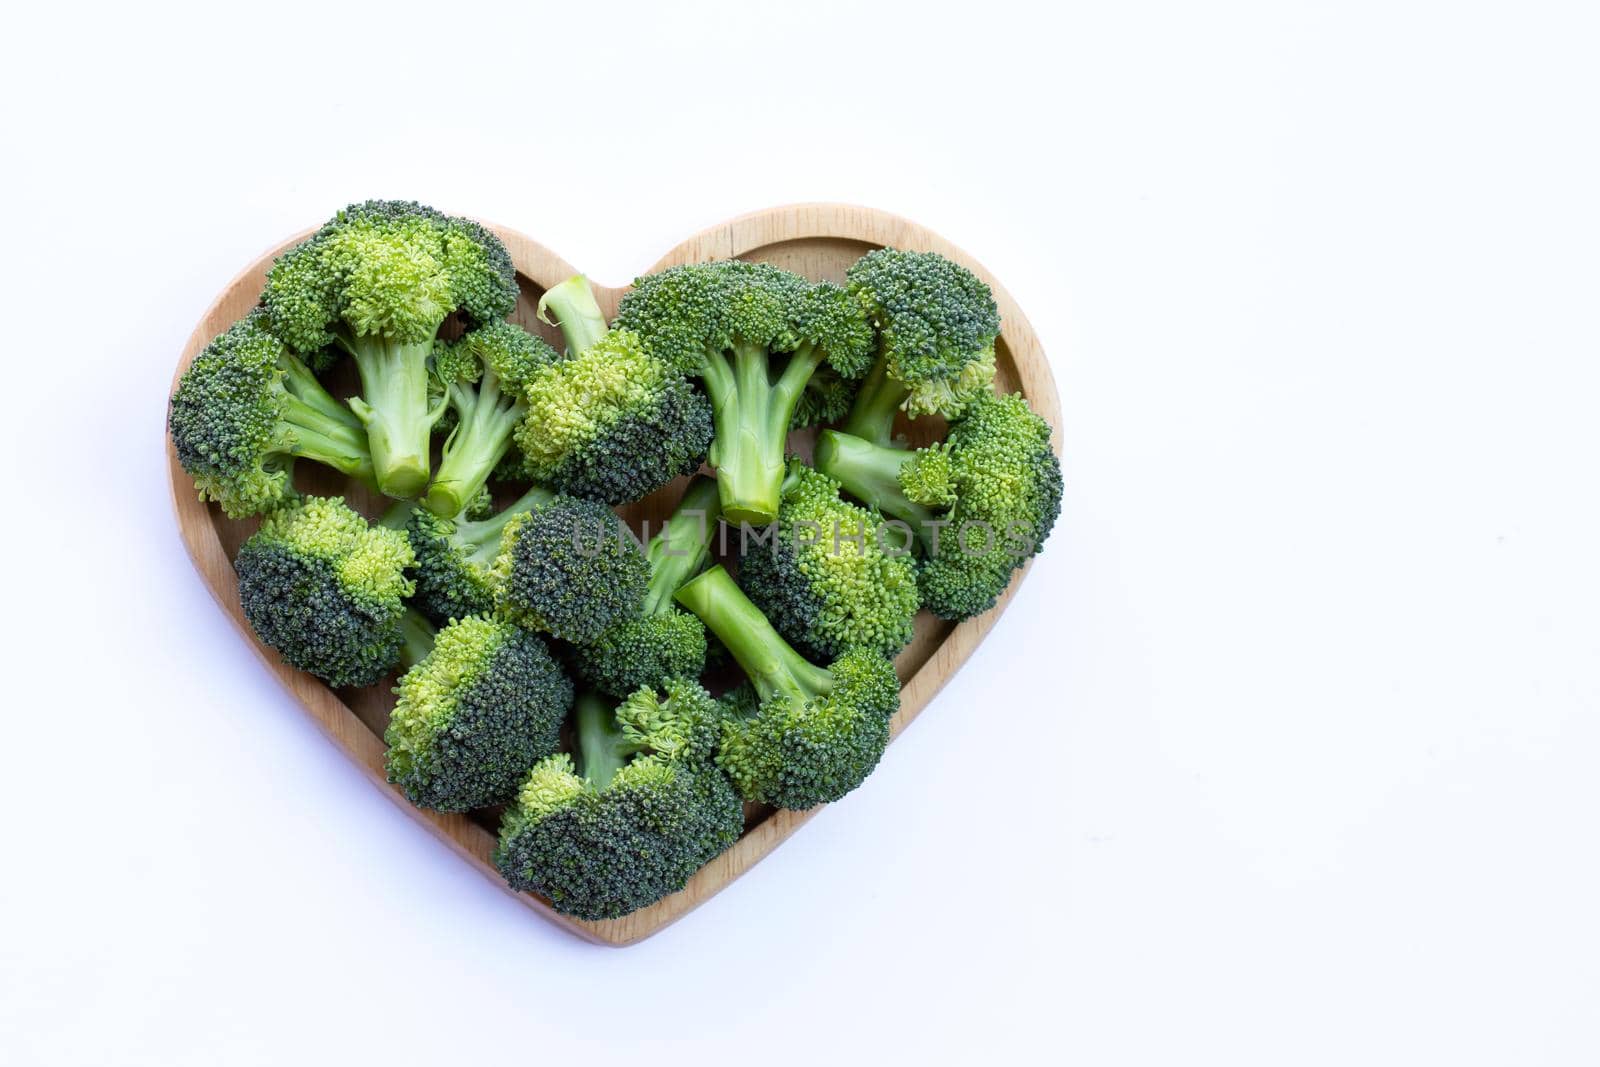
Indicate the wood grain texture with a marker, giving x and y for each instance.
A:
(816, 240)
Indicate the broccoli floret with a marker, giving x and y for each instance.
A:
(827, 399)
(454, 555)
(980, 505)
(378, 280)
(754, 335)
(610, 421)
(327, 590)
(568, 567)
(634, 817)
(664, 641)
(482, 702)
(484, 374)
(817, 732)
(823, 577)
(246, 409)
(936, 322)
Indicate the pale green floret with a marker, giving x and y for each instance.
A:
(551, 785)
(929, 476)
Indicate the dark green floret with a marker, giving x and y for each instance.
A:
(246, 409)
(632, 815)
(570, 568)
(483, 375)
(327, 590)
(981, 504)
(482, 702)
(454, 556)
(664, 641)
(610, 421)
(817, 732)
(936, 322)
(824, 578)
(378, 280)
(755, 335)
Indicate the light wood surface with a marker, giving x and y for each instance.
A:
(816, 240)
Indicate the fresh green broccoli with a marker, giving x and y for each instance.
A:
(755, 335)
(817, 732)
(327, 590)
(827, 399)
(454, 555)
(936, 322)
(663, 641)
(639, 811)
(484, 374)
(482, 702)
(246, 409)
(823, 577)
(378, 280)
(610, 421)
(980, 505)
(569, 567)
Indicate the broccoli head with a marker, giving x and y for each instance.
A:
(482, 702)
(454, 556)
(327, 590)
(823, 577)
(569, 567)
(817, 732)
(663, 641)
(629, 820)
(612, 423)
(246, 409)
(483, 375)
(378, 280)
(755, 335)
(936, 322)
(980, 505)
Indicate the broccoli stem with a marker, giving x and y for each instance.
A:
(488, 418)
(871, 473)
(482, 536)
(393, 406)
(575, 312)
(872, 414)
(751, 413)
(682, 547)
(602, 750)
(417, 634)
(771, 664)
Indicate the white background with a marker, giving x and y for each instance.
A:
(1285, 755)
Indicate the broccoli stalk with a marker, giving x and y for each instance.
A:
(483, 375)
(871, 473)
(416, 638)
(772, 665)
(683, 544)
(603, 747)
(571, 307)
(395, 407)
(816, 732)
(751, 413)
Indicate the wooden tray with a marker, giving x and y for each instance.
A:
(816, 240)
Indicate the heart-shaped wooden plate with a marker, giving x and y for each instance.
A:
(816, 240)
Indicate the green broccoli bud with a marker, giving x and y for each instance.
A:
(633, 817)
(817, 732)
(246, 409)
(326, 590)
(477, 709)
